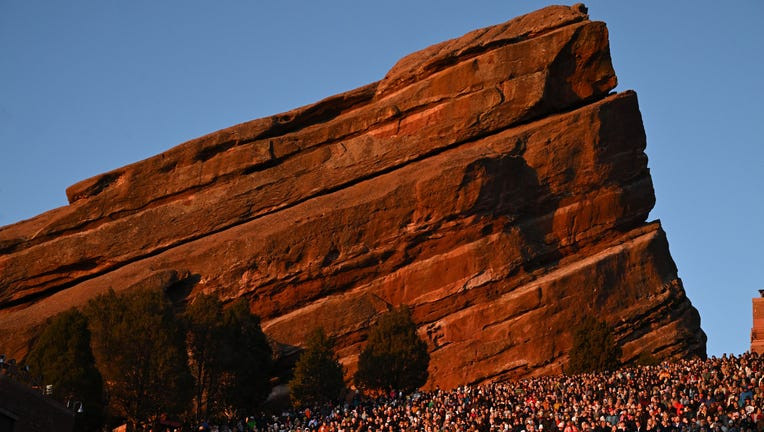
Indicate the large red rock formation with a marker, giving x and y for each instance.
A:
(492, 182)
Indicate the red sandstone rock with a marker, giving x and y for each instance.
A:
(489, 182)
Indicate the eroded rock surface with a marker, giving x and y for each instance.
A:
(492, 182)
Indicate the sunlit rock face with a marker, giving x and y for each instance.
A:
(492, 182)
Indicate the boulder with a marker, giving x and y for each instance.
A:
(494, 183)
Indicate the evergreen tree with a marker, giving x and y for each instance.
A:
(318, 373)
(230, 357)
(594, 348)
(646, 358)
(395, 357)
(61, 356)
(139, 348)
(205, 338)
(246, 360)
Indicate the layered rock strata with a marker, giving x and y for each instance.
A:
(491, 182)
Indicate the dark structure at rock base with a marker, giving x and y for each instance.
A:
(24, 409)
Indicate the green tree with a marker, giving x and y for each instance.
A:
(205, 340)
(61, 356)
(318, 373)
(139, 348)
(395, 357)
(594, 348)
(646, 358)
(230, 357)
(246, 360)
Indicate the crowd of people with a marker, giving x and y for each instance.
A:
(715, 395)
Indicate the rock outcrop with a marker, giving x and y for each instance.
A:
(492, 182)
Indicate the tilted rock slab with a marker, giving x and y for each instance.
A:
(492, 182)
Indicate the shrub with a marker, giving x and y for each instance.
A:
(395, 357)
(646, 358)
(318, 373)
(594, 348)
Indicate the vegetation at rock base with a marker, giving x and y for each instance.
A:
(646, 358)
(395, 357)
(61, 357)
(318, 373)
(229, 357)
(204, 336)
(245, 361)
(139, 348)
(594, 348)
(131, 353)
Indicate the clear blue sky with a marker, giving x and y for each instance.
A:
(89, 86)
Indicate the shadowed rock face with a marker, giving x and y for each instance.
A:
(492, 182)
